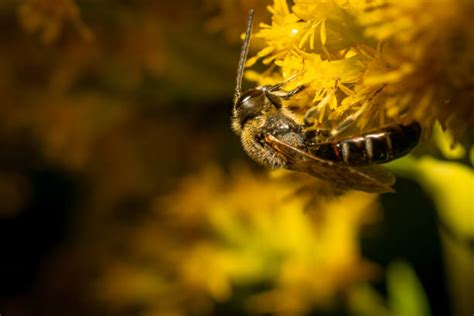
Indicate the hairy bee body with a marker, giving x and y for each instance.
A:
(273, 137)
(373, 147)
(280, 126)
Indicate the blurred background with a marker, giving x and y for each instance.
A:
(123, 190)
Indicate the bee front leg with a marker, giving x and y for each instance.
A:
(280, 85)
(291, 93)
(314, 130)
(276, 91)
(275, 94)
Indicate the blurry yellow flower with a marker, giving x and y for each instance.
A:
(446, 144)
(387, 61)
(47, 17)
(219, 231)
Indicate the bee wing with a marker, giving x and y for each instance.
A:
(375, 179)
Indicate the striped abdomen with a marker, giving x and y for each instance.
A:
(378, 146)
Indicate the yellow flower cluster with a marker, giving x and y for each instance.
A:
(217, 232)
(381, 61)
(48, 16)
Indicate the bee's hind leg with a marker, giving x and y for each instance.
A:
(312, 129)
(309, 121)
(317, 111)
(310, 116)
(346, 123)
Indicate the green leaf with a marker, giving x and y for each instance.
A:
(406, 295)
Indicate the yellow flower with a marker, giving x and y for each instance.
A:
(387, 61)
(47, 18)
(448, 147)
(219, 231)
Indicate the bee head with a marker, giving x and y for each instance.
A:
(253, 103)
(249, 105)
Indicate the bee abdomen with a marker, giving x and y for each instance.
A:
(378, 146)
(394, 141)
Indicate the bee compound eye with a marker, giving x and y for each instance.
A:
(247, 96)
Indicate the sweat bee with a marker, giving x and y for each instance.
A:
(272, 136)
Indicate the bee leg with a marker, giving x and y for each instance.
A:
(313, 130)
(318, 135)
(291, 93)
(286, 94)
(342, 126)
(275, 87)
(275, 94)
(310, 116)
(318, 110)
(279, 86)
(347, 122)
(353, 117)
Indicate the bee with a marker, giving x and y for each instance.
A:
(271, 135)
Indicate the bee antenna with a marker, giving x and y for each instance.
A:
(243, 56)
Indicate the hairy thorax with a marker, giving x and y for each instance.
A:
(279, 125)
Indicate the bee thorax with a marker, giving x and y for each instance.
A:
(254, 145)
